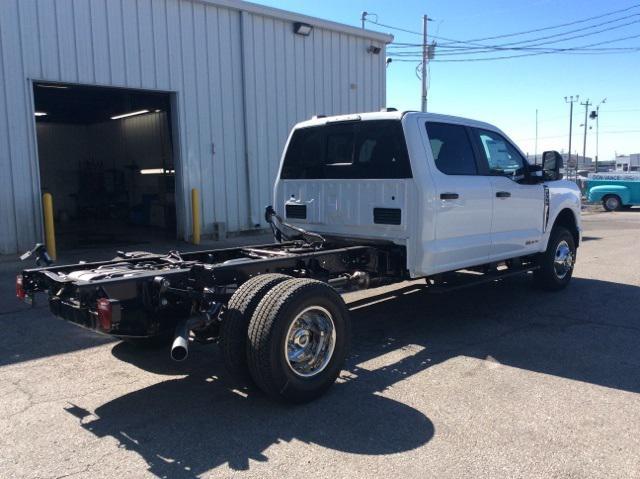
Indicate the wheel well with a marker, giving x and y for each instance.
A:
(567, 219)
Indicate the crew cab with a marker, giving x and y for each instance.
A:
(365, 199)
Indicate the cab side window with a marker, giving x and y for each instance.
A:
(502, 157)
(451, 149)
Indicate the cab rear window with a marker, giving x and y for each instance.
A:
(352, 150)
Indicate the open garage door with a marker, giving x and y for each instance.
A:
(106, 156)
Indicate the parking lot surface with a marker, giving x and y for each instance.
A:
(496, 381)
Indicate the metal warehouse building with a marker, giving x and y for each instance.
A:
(120, 108)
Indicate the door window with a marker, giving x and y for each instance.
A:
(502, 157)
(451, 149)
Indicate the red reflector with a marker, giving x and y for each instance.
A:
(105, 312)
(20, 292)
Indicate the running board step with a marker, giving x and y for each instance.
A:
(460, 280)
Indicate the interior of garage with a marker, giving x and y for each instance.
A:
(106, 157)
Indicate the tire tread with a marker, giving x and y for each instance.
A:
(261, 332)
(236, 318)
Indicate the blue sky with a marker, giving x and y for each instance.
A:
(507, 92)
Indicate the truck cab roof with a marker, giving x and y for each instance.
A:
(319, 120)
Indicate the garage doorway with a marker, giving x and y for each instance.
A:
(106, 157)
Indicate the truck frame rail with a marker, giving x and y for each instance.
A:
(143, 295)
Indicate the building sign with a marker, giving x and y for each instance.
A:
(615, 176)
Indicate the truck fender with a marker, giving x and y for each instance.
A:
(597, 193)
(566, 214)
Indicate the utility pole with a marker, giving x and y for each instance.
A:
(363, 18)
(597, 133)
(535, 149)
(604, 100)
(571, 101)
(584, 141)
(425, 60)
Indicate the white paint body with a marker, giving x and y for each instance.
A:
(439, 235)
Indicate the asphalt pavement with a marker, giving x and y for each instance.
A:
(500, 380)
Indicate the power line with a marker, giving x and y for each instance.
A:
(575, 50)
(403, 47)
(461, 48)
(561, 51)
(479, 45)
(393, 28)
(556, 26)
(558, 37)
(591, 33)
(535, 49)
(463, 51)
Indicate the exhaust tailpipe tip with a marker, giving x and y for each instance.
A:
(180, 346)
(179, 351)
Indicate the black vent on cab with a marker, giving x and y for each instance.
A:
(296, 211)
(387, 216)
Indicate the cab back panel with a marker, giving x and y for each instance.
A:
(377, 209)
(347, 178)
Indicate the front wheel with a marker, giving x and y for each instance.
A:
(298, 340)
(611, 203)
(556, 263)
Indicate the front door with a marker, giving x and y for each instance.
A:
(518, 206)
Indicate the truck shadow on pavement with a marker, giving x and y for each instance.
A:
(185, 427)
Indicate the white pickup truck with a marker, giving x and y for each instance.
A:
(453, 192)
(367, 199)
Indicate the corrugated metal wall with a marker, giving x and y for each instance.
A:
(290, 78)
(218, 60)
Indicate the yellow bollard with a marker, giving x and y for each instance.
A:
(195, 213)
(49, 228)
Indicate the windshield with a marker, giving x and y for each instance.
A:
(354, 150)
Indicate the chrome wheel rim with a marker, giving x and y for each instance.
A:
(310, 342)
(612, 203)
(563, 261)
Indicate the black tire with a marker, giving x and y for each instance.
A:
(548, 277)
(268, 330)
(235, 322)
(611, 203)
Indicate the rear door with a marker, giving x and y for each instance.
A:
(518, 204)
(463, 200)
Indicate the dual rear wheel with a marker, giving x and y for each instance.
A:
(289, 336)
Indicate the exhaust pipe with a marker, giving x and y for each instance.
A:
(180, 346)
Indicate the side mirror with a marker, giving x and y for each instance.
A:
(551, 164)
